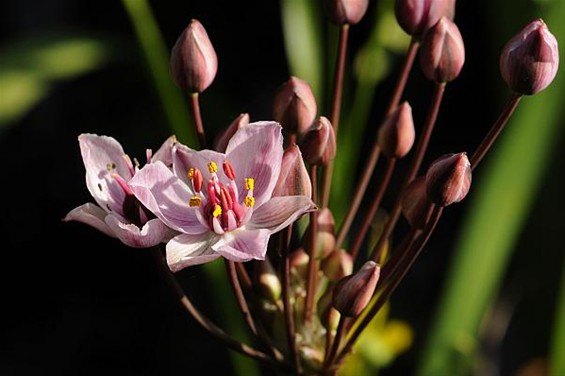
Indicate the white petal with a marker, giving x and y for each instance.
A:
(279, 212)
(185, 250)
(92, 215)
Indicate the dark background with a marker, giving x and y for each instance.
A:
(75, 302)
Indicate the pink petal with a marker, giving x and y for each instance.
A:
(91, 215)
(98, 151)
(164, 153)
(243, 245)
(256, 151)
(185, 158)
(167, 197)
(279, 212)
(152, 233)
(185, 250)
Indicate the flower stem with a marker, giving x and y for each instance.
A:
(239, 297)
(336, 105)
(195, 107)
(204, 322)
(495, 130)
(415, 163)
(361, 188)
(312, 263)
(376, 202)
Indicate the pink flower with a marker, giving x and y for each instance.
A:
(118, 213)
(221, 204)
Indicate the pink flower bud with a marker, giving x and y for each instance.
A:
(448, 179)
(442, 53)
(417, 16)
(295, 106)
(222, 139)
(354, 292)
(193, 60)
(337, 264)
(415, 203)
(318, 143)
(266, 281)
(396, 134)
(346, 11)
(529, 60)
(293, 178)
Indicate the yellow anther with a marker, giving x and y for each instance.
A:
(249, 184)
(191, 172)
(110, 166)
(217, 211)
(249, 201)
(212, 167)
(195, 201)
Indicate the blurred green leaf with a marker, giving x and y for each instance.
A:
(29, 68)
(509, 181)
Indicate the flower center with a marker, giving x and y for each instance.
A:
(219, 202)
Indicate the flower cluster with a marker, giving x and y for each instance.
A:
(260, 192)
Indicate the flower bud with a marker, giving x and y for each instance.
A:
(350, 12)
(354, 292)
(266, 281)
(417, 16)
(193, 60)
(529, 60)
(299, 260)
(295, 106)
(336, 265)
(448, 179)
(223, 138)
(442, 53)
(415, 203)
(293, 178)
(329, 316)
(396, 134)
(318, 143)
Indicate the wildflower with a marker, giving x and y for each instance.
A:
(396, 135)
(346, 11)
(194, 63)
(417, 16)
(442, 52)
(118, 213)
(529, 60)
(352, 293)
(448, 179)
(224, 211)
(295, 106)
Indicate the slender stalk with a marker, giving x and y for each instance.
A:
(340, 331)
(312, 263)
(239, 297)
(195, 107)
(284, 237)
(366, 223)
(495, 130)
(414, 248)
(205, 323)
(336, 105)
(361, 188)
(439, 90)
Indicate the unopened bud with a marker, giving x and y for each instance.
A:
(318, 143)
(353, 293)
(329, 316)
(350, 12)
(442, 53)
(529, 60)
(417, 16)
(336, 265)
(448, 179)
(415, 203)
(223, 138)
(193, 60)
(396, 134)
(266, 280)
(295, 106)
(299, 260)
(293, 178)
